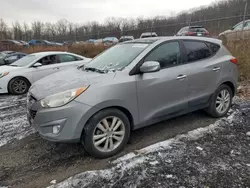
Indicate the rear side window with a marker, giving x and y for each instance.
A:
(196, 50)
(214, 47)
(67, 58)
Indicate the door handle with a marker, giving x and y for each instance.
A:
(56, 68)
(216, 68)
(180, 77)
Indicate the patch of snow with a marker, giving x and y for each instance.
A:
(248, 165)
(53, 182)
(169, 176)
(154, 162)
(248, 133)
(13, 120)
(199, 148)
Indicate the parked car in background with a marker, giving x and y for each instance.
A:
(17, 77)
(110, 41)
(98, 41)
(4, 53)
(24, 43)
(199, 31)
(132, 85)
(148, 34)
(11, 58)
(34, 42)
(236, 31)
(6, 44)
(126, 38)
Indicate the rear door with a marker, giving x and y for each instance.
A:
(203, 70)
(164, 92)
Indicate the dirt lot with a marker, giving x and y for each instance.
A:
(33, 162)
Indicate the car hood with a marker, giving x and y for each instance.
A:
(66, 80)
(6, 68)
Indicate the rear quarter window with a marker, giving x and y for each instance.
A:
(196, 50)
(214, 47)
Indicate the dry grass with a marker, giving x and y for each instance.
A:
(87, 50)
(241, 50)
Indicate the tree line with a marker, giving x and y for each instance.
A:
(216, 17)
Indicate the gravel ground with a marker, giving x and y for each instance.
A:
(28, 161)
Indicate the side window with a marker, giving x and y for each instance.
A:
(49, 60)
(196, 50)
(67, 58)
(238, 27)
(214, 47)
(167, 54)
(247, 26)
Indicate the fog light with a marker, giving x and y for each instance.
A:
(56, 129)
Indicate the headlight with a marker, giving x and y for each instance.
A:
(61, 99)
(3, 74)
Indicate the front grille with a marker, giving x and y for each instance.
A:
(32, 113)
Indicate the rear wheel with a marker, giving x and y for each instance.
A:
(106, 133)
(221, 101)
(19, 86)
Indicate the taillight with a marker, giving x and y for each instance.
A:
(234, 61)
(190, 33)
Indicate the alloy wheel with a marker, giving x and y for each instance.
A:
(223, 101)
(108, 134)
(19, 86)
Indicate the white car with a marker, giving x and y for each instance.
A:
(17, 77)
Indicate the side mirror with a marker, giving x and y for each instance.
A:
(150, 66)
(37, 64)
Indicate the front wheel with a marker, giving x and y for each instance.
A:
(221, 101)
(106, 133)
(19, 86)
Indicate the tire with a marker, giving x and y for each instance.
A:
(95, 128)
(213, 108)
(19, 86)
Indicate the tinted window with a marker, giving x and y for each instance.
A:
(167, 55)
(214, 47)
(196, 50)
(49, 60)
(67, 58)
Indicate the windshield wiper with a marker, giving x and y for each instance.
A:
(94, 69)
(12, 65)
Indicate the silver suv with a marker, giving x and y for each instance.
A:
(132, 85)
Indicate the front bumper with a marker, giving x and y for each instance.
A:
(4, 84)
(71, 118)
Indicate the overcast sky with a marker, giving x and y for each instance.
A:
(82, 11)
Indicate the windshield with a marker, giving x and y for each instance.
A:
(117, 57)
(24, 61)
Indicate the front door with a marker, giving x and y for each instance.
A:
(50, 65)
(164, 92)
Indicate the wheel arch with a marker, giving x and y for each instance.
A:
(121, 108)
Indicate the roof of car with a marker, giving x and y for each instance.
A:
(154, 39)
(49, 53)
